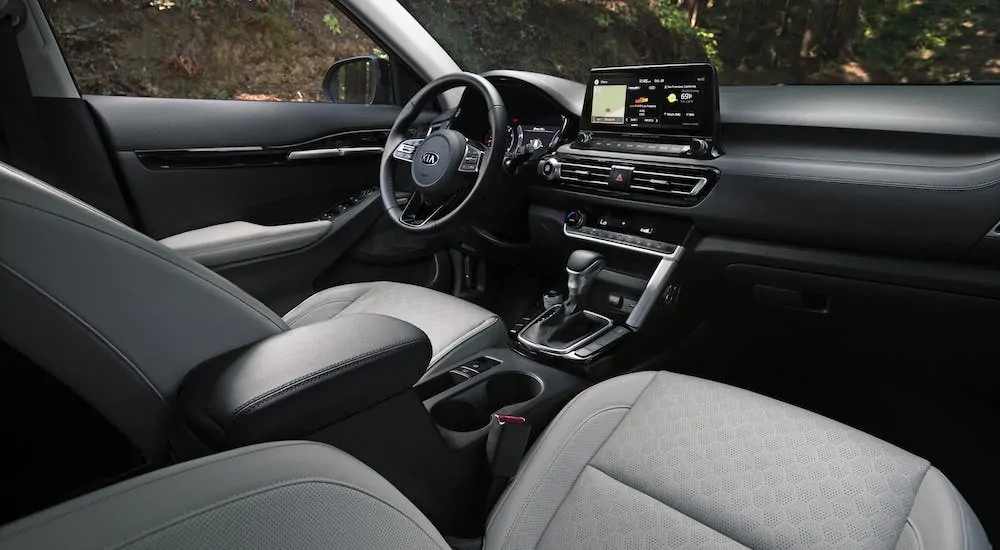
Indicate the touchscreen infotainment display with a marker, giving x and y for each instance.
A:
(663, 100)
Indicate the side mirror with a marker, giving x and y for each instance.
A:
(361, 80)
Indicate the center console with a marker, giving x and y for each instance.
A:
(647, 137)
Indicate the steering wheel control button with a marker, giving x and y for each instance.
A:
(406, 149)
(620, 178)
(470, 162)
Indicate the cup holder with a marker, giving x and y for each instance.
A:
(471, 410)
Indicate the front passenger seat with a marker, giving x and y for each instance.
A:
(647, 460)
(121, 318)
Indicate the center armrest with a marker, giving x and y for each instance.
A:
(296, 382)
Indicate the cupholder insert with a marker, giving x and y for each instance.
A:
(471, 409)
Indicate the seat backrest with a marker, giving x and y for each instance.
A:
(113, 314)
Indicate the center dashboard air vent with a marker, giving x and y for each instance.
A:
(658, 182)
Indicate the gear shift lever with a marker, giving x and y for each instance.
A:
(582, 268)
(568, 323)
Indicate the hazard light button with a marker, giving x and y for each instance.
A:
(620, 178)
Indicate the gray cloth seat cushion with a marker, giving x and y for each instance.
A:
(456, 328)
(294, 495)
(662, 460)
(647, 460)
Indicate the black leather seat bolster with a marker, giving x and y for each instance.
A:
(294, 383)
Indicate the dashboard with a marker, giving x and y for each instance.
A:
(847, 173)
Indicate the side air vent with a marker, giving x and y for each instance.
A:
(659, 182)
(585, 173)
(671, 183)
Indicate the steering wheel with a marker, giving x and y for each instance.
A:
(450, 170)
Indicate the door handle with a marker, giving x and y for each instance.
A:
(310, 154)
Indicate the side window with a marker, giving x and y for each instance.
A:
(264, 50)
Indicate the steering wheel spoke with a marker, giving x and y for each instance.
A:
(405, 150)
(418, 211)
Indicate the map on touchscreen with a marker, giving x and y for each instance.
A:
(608, 105)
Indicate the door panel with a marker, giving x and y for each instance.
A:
(190, 163)
(204, 123)
(187, 164)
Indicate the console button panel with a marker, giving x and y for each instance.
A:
(623, 238)
(654, 235)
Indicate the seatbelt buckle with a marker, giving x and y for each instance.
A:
(506, 442)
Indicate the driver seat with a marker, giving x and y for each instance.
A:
(121, 319)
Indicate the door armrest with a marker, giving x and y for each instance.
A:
(238, 241)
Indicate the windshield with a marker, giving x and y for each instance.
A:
(749, 41)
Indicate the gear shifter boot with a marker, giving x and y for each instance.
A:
(559, 330)
(566, 324)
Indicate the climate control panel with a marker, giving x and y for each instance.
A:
(656, 237)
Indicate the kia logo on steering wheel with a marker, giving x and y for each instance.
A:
(430, 159)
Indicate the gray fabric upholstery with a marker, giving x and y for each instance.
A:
(661, 460)
(115, 315)
(238, 241)
(121, 319)
(941, 518)
(456, 328)
(601, 512)
(296, 496)
(647, 460)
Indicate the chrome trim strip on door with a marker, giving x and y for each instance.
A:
(332, 153)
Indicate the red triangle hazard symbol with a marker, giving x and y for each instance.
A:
(619, 179)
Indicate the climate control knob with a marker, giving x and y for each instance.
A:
(584, 138)
(575, 218)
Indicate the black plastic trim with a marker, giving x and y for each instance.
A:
(255, 156)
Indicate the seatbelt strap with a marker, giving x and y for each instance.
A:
(18, 117)
(505, 445)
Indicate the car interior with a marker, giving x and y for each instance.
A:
(643, 311)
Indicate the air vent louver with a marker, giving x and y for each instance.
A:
(660, 181)
(585, 173)
(668, 182)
